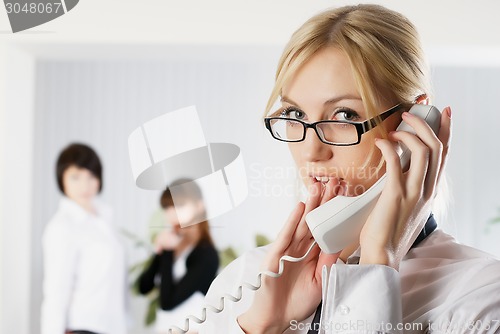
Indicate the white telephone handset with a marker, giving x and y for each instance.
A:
(338, 223)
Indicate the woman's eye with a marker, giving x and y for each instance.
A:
(345, 114)
(293, 113)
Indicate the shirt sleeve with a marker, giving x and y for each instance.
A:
(147, 278)
(361, 299)
(201, 267)
(60, 258)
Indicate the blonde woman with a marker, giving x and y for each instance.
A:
(352, 64)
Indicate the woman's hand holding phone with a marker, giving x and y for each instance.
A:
(166, 240)
(296, 294)
(405, 202)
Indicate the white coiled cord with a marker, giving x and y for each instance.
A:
(240, 292)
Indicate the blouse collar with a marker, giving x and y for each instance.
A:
(68, 205)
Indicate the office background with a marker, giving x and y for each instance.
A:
(104, 68)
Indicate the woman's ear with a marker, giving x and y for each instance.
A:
(422, 99)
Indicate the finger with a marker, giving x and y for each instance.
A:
(422, 129)
(419, 161)
(331, 190)
(285, 236)
(430, 139)
(343, 188)
(392, 164)
(444, 136)
(315, 190)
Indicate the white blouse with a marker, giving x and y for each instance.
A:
(84, 282)
(441, 287)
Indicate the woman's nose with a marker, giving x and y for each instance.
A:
(314, 149)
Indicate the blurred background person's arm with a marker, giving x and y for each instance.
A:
(60, 256)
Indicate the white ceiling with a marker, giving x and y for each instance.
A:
(443, 22)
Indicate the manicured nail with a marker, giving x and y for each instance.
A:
(448, 111)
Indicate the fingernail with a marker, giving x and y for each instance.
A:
(448, 111)
(407, 114)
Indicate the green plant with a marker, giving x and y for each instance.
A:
(228, 254)
(153, 295)
(497, 219)
(136, 270)
(261, 240)
(492, 221)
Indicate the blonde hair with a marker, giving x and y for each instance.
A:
(385, 53)
(382, 46)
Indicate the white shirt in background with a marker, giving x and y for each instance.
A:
(84, 282)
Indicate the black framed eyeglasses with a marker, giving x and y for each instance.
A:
(332, 132)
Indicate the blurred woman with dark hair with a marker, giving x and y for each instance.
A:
(84, 271)
(186, 260)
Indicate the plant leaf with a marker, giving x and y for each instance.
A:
(261, 240)
(226, 256)
(151, 312)
(495, 220)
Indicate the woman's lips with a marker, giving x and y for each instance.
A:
(342, 184)
(322, 179)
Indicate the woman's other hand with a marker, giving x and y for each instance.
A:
(166, 240)
(297, 292)
(406, 201)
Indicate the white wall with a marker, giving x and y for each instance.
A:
(17, 184)
(474, 155)
(241, 22)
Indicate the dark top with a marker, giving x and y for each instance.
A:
(201, 269)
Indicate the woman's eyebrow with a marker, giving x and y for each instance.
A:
(329, 101)
(289, 101)
(342, 97)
